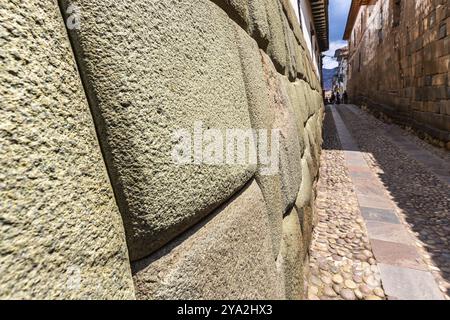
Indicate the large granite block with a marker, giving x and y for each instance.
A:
(259, 24)
(152, 68)
(277, 48)
(289, 145)
(61, 234)
(228, 256)
(238, 10)
(292, 256)
(262, 115)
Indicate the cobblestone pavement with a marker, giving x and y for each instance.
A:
(408, 134)
(342, 265)
(422, 200)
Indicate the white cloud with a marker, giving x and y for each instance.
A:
(334, 45)
(328, 62)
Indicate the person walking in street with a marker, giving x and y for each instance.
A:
(338, 98)
(345, 97)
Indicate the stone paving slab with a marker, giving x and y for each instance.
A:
(378, 202)
(358, 169)
(397, 254)
(392, 245)
(359, 176)
(388, 232)
(369, 189)
(354, 158)
(408, 284)
(380, 215)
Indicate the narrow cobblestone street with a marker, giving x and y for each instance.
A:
(225, 150)
(383, 213)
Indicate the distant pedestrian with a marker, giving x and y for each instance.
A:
(338, 98)
(345, 97)
(333, 98)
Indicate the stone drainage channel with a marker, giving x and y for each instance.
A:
(383, 200)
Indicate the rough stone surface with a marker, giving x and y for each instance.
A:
(238, 10)
(281, 104)
(304, 197)
(300, 110)
(290, 150)
(293, 21)
(291, 45)
(289, 146)
(277, 48)
(262, 117)
(292, 256)
(147, 78)
(228, 256)
(61, 232)
(312, 136)
(259, 25)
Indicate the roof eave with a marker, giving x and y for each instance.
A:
(319, 10)
(353, 14)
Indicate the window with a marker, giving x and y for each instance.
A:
(396, 11)
(442, 31)
(359, 62)
(361, 23)
(432, 19)
(380, 26)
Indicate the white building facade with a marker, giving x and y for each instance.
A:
(313, 18)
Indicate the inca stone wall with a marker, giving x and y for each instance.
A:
(399, 64)
(59, 221)
(93, 205)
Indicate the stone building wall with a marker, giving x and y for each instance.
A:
(92, 204)
(399, 63)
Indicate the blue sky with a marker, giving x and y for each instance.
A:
(338, 12)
